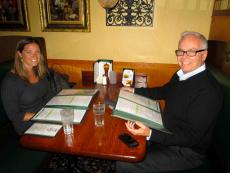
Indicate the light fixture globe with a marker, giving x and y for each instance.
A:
(107, 3)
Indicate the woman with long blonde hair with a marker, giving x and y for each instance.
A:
(25, 89)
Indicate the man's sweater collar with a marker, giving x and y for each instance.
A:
(185, 76)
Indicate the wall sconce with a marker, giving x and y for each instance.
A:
(107, 3)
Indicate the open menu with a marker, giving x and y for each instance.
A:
(134, 107)
(43, 129)
(77, 99)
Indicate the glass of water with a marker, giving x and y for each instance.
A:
(99, 111)
(67, 117)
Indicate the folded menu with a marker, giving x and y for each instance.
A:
(90, 92)
(69, 101)
(43, 129)
(53, 115)
(134, 107)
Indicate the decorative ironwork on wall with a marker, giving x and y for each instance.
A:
(131, 13)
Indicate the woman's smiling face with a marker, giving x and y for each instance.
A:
(30, 55)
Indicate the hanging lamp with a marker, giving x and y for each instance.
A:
(107, 3)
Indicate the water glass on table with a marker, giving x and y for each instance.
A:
(67, 117)
(99, 111)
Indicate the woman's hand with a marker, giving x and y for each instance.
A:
(138, 128)
(129, 89)
(28, 116)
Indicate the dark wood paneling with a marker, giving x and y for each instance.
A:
(219, 29)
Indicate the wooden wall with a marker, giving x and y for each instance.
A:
(157, 74)
(220, 28)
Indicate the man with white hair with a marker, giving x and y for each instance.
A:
(193, 100)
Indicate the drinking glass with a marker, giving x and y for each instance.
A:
(99, 111)
(67, 117)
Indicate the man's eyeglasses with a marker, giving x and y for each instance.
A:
(188, 52)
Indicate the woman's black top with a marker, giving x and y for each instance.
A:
(19, 96)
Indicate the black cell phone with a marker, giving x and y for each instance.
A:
(128, 140)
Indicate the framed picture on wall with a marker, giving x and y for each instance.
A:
(13, 15)
(69, 15)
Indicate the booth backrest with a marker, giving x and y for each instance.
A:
(219, 55)
(218, 61)
(221, 141)
(8, 45)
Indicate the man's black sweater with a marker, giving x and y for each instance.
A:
(191, 110)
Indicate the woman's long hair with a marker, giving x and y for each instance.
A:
(40, 70)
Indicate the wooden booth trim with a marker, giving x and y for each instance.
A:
(157, 73)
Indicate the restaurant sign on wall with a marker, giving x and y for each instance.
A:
(131, 13)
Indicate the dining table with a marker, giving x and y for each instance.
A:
(90, 140)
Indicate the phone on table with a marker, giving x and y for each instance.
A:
(128, 140)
